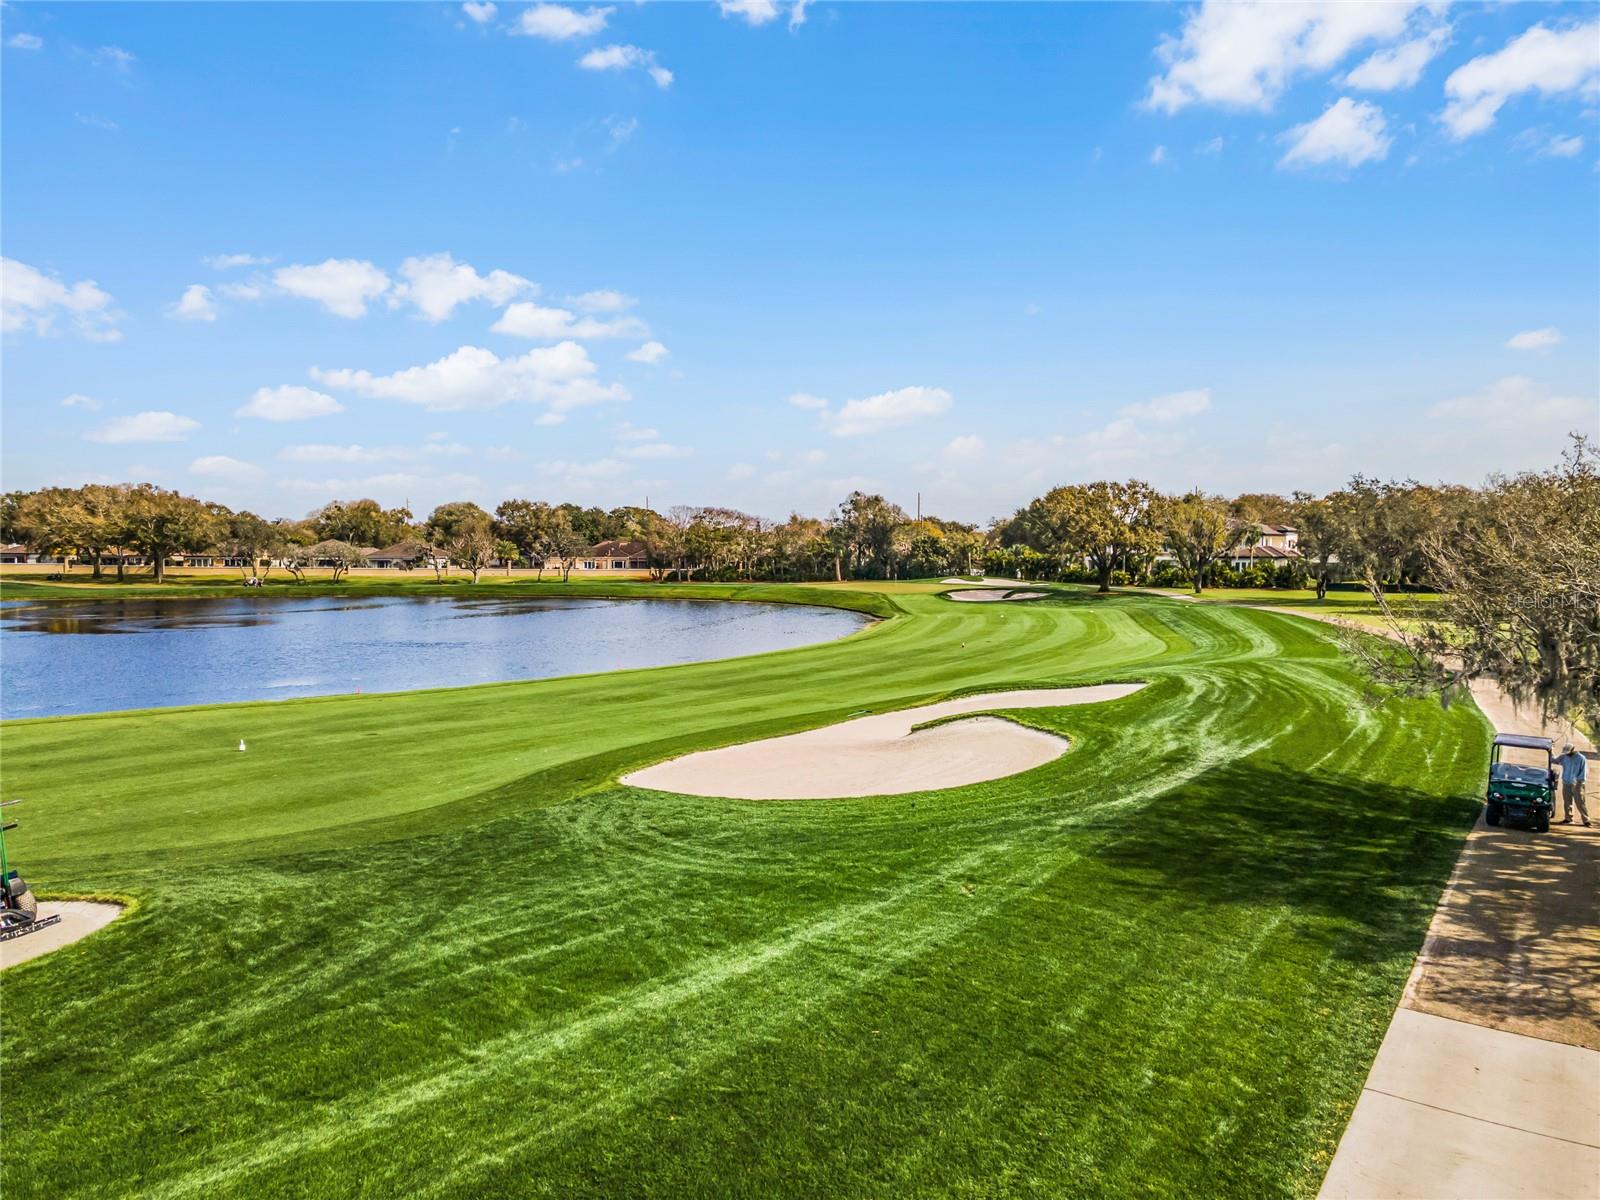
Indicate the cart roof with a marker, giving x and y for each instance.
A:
(1526, 741)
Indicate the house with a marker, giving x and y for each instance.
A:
(614, 555)
(1267, 546)
(15, 554)
(402, 556)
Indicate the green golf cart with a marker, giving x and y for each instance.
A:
(1522, 781)
(19, 911)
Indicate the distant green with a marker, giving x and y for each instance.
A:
(425, 945)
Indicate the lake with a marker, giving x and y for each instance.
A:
(106, 655)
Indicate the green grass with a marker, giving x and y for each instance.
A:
(424, 945)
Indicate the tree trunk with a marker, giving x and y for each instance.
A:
(122, 566)
(161, 566)
(97, 569)
(838, 569)
(1105, 577)
(475, 571)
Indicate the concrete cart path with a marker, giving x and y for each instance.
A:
(1488, 1081)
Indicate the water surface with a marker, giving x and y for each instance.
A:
(105, 655)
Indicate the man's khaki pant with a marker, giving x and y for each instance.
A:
(1572, 793)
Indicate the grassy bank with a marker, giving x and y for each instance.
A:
(424, 944)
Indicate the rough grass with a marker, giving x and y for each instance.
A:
(425, 945)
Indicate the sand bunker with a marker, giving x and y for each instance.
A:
(986, 581)
(880, 755)
(79, 918)
(990, 595)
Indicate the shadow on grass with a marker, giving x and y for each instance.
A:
(1365, 861)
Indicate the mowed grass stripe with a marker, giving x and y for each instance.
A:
(1158, 964)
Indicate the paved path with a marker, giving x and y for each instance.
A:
(1488, 1081)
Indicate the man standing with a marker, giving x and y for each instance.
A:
(1574, 773)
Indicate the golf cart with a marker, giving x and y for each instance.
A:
(1522, 781)
(19, 911)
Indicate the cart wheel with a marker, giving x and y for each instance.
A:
(27, 904)
(1491, 815)
(1541, 822)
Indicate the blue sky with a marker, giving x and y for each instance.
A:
(759, 255)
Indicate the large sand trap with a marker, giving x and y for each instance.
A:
(986, 581)
(990, 594)
(880, 755)
(79, 918)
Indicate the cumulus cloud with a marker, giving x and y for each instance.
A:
(1552, 62)
(114, 57)
(1348, 133)
(227, 262)
(540, 323)
(629, 432)
(196, 304)
(343, 286)
(751, 12)
(656, 450)
(291, 402)
(560, 377)
(622, 58)
(1544, 144)
(604, 300)
(1398, 67)
(886, 410)
(807, 401)
(480, 14)
(1535, 339)
(325, 453)
(559, 23)
(1243, 55)
(1515, 404)
(220, 466)
(436, 283)
(964, 448)
(30, 300)
(797, 14)
(1174, 406)
(650, 353)
(144, 427)
(79, 400)
(740, 471)
(1158, 156)
(25, 41)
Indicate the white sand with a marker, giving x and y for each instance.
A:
(990, 595)
(986, 581)
(79, 918)
(880, 755)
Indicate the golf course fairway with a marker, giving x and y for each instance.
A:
(424, 944)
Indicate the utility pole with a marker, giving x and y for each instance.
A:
(919, 506)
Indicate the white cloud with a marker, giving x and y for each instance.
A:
(25, 41)
(243, 291)
(807, 401)
(1158, 156)
(650, 352)
(31, 300)
(1515, 405)
(886, 410)
(95, 121)
(324, 453)
(196, 304)
(1174, 406)
(437, 283)
(481, 14)
(79, 400)
(656, 450)
(740, 471)
(1348, 133)
(561, 377)
(1243, 55)
(604, 300)
(1399, 66)
(558, 23)
(343, 286)
(220, 466)
(752, 12)
(1535, 339)
(1212, 147)
(629, 432)
(1544, 144)
(227, 262)
(797, 14)
(966, 447)
(1553, 62)
(114, 57)
(144, 427)
(622, 58)
(291, 402)
(540, 323)
(621, 130)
